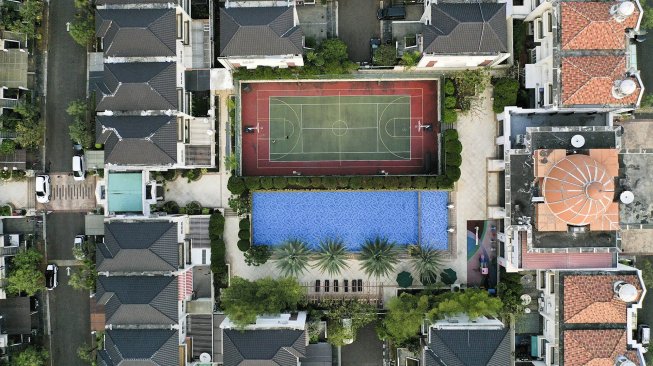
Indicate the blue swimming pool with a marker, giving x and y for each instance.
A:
(401, 216)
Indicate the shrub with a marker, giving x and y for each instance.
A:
(385, 55)
(280, 182)
(244, 224)
(243, 245)
(267, 182)
(253, 183)
(18, 175)
(453, 173)
(171, 207)
(330, 182)
(449, 102)
(5, 210)
(5, 174)
(193, 208)
(236, 185)
(391, 182)
(316, 182)
(169, 175)
(453, 146)
(449, 116)
(444, 182)
(505, 93)
(419, 182)
(303, 182)
(257, 255)
(432, 182)
(243, 234)
(356, 182)
(7, 147)
(376, 182)
(450, 134)
(218, 265)
(453, 159)
(343, 182)
(449, 88)
(404, 182)
(216, 225)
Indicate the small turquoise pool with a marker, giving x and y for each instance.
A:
(125, 192)
(401, 216)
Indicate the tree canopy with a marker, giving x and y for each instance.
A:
(244, 299)
(30, 356)
(473, 302)
(404, 317)
(29, 127)
(356, 314)
(25, 275)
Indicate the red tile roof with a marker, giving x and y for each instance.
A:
(589, 26)
(564, 260)
(590, 298)
(590, 79)
(596, 347)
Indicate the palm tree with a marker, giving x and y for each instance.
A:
(332, 257)
(427, 262)
(378, 257)
(292, 257)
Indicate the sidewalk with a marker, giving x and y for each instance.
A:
(207, 190)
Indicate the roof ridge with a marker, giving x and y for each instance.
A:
(166, 231)
(163, 14)
(589, 21)
(589, 78)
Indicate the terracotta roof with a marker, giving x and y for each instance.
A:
(578, 190)
(591, 298)
(596, 347)
(590, 80)
(589, 26)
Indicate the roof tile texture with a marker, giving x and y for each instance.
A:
(591, 299)
(589, 26)
(596, 347)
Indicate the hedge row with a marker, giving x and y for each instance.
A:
(218, 249)
(239, 185)
(452, 155)
(449, 114)
(244, 235)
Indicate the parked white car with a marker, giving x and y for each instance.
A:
(78, 247)
(42, 188)
(79, 167)
(51, 280)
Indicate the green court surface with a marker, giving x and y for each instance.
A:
(345, 128)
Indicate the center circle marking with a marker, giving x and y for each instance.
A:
(339, 128)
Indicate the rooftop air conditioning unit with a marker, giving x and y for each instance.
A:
(622, 10)
(623, 361)
(623, 88)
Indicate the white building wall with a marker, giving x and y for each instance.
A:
(281, 61)
(459, 61)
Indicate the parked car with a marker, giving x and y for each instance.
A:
(78, 247)
(644, 334)
(79, 167)
(51, 280)
(42, 188)
(391, 13)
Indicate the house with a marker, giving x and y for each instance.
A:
(13, 68)
(463, 35)
(589, 316)
(582, 54)
(147, 49)
(565, 178)
(462, 341)
(260, 36)
(155, 347)
(280, 340)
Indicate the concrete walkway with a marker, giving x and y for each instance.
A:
(477, 132)
(207, 190)
(15, 192)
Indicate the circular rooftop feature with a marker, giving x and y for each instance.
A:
(577, 141)
(625, 291)
(627, 197)
(578, 189)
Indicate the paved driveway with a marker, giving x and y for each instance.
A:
(367, 350)
(357, 23)
(69, 194)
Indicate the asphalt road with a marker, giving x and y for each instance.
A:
(69, 316)
(357, 23)
(68, 308)
(66, 81)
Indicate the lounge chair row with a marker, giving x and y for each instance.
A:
(356, 285)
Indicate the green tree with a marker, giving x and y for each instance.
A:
(29, 128)
(7, 147)
(257, 255)
(292, 257)
(647, 272)
(332, 257)
(25, 275)
(231, 162)
(30, 356)
(427, 262)
(244, 299)
(87, 353)
(85, 277)
(345, 318)
(385, 55)
(29, 17)
(78, 109)
(473, 302)
(80, 132)
(82, 29)
(410, 59)
(510, 290)
(378, 257)
(504, 93)
(404, 317)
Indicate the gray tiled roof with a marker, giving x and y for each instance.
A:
(140, 347)
(137, 32)
(466, 28)
(259, 32)
(138, 86)
(138, 140)
(138, 247)
(275, 347)
(469, 347)
(139, 300)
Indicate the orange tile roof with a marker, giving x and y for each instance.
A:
(609, 158)
(590, 298)
(563, 260)
(589, 26)
(545, 220)
(596, 347)
(609, 221)
(545, 159)
(590, 79)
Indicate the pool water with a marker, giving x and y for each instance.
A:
(400, 216)
(125, 192)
